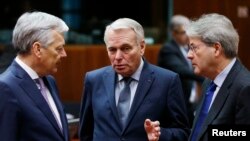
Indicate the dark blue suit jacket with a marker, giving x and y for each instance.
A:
(24, 113)
(158, 97)
(231, 105)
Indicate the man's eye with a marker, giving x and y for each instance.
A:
(111, 50)
(126, 49)
(59, 49)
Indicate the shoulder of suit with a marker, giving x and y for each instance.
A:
(162, 71)
(170, 47)
(7, 77)
(242, 76)
(100, 71)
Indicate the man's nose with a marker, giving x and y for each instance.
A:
(63, 53)
(118, 54)
(190, 54)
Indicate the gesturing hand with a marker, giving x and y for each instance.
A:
(152, 129)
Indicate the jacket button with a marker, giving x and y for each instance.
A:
(122, 139)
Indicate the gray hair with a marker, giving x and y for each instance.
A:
(179, 20)
(36, 26)
(212, 28)
(125, 23)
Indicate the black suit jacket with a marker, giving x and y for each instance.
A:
(171, 57)
(231, 105)
(24, 113)
(158, 97)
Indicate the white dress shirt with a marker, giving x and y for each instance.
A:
(34, 76)
(133, 85)
(219, 79)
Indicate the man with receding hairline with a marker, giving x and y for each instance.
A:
(118, 99)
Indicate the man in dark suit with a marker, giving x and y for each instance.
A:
(213, 52)
(118, 99)
(30, 108)
(173, 56)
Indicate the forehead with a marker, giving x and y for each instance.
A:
(121, 36)
(179, 28)
(194, 40)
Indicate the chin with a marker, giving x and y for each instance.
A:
(54, 70)
(197, 71)
(122, 73)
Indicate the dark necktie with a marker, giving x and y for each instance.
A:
(124, 101)
(204, 110)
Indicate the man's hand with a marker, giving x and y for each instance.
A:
(153, 129)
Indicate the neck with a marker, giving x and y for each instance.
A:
(30, 61)
(219, 67)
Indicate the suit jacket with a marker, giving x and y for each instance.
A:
(231, 105)
(24, 113)
(158, 97)
(171, 57)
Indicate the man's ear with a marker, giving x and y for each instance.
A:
(36, 49)
(218, 49)
(142, 47)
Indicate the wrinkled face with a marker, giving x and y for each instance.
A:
(202, 56)
(52, 54)
(124, 51)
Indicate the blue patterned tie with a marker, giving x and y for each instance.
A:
(124, 101)
(204, 110)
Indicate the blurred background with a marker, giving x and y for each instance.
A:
(87, 20)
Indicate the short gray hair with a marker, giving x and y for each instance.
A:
(36, 26)
(179, 20)
(212, 28)
(125, 23)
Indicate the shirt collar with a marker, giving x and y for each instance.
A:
(26, 68)
(136, 75)
(219, 79)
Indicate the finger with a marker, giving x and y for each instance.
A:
(155, 138)
(147, 122)
(157, 129)
(157, 134)
(155, 124)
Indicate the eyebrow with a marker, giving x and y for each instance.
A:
(122, 45)
(191, 44)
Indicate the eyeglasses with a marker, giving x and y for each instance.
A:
(193, 48)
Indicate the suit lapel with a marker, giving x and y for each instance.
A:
(29, 86)
(41, 103)
(54, 94)
(145, 82)
(220, 98)
(109, 79)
